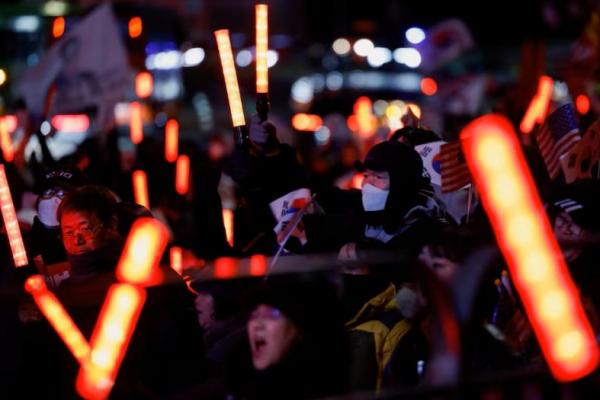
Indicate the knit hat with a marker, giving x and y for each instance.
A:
(65, 178)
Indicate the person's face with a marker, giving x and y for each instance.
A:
(81, 232)
(379, 179)
(271, 336)
(566, 230)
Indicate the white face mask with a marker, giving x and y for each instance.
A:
(373, 198)
(47, 211)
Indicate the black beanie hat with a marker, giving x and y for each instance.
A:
(405, 167)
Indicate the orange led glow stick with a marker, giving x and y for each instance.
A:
(136, 124)
(11, 224)
(228, 222)
(231, 82)
(182, 174)
(140, 188)
(538, 108)
(58, 317)
(143, 249)
(5, 141)
(262, 47)
(226, 267)
(110, 340)
(171, 140)
(526, 239)
(176, 259)
(58, 27)
(363, 109)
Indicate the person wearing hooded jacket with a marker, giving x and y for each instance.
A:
(395, 209)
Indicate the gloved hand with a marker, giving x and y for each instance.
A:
(263, 135)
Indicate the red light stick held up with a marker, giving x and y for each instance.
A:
(232, 87)
(182, 175)
(5, 141)
(262, 63)
(171, 140)
(136, 124)
(526, 239)
(140, 188)
(58, 317)
(137, 268)
(11, 224)
(538, 108)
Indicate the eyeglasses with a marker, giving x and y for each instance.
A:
(53, 192)
(87, 232)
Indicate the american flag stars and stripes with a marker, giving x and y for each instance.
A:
(454, 170)
(557, 137)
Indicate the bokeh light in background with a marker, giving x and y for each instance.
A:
(415, 35)
(341, 46)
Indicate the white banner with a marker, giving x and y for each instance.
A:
(88, 65)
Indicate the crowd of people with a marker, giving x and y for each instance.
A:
(373, 319)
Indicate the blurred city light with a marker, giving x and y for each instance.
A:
(135, 27)
(407, 56)
(583, 104)
(243, 58)
(306, 122)
(170, 59)
(55, 8)
(193, 56)
(302, 90)
(26, 23)
(362, 47)
(334, 80)
(58, 27)
(272, 58)
(415, 35)
(144, 84)
(429, 86)
(341, 46)
(71, 123)
(3, 77)
(379, 56)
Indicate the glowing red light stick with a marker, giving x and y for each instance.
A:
(137, 266)
(228, 222)
(526, 239)
(11, 224)
(262, 47)
(136, 124)
(231, 82)
(171, 140)
(143, 249)
(176, 259)
(182, 174)
(536, 112)
(5, 141)
(140, 188)
(110, 340)
(58, 317)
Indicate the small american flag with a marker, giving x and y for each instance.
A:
(454, 170)
(558, 136)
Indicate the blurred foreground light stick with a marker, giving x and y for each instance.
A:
(231, 85)
(182, 175)
(58, 317)
(526, 239)
(538, 108)
(262, 65)
(138, 267)
(11, 224)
